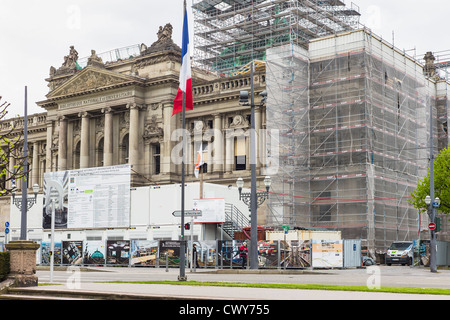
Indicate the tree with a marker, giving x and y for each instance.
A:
(441, 184)
(11, 145)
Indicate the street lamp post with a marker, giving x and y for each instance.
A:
(433, 267)
(244, 97)
(24, 204)
(260, 196)
(257, 199)
(431, 208)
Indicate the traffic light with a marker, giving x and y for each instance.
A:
(187, 226)
(438, 224)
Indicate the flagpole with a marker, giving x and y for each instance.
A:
(182, 276)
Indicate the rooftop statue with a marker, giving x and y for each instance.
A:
(164, 42)
(69, 65)
(70, 61)
(95, 60)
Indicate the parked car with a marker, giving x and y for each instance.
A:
(400, 252)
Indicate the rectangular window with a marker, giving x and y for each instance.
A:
(240, 158)
(156, 158)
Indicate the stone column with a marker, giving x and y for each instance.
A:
(35, 165)
(229, 150)
(108, 138)
(133, 152)
(84, 147)
(218, 144)
(48, 148)
(167, 165)
(62, 147)
(23, 262)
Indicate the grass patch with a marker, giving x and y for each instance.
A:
(48, 284)
(408, 290)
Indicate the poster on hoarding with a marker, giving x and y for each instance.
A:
(327, 254)
(45, 253)
(60, 178)
(268, 253)
(213, 210)
(118, 252)
(169, 251)
(94, 252)
(144, 252)
(72, 252)
(295, 253)
(93, 198)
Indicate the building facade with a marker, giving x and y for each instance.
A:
(344, 133)
(105, 113)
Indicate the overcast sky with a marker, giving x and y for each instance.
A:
(37, 34)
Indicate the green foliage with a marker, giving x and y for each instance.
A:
(441, 184)
(4, 265)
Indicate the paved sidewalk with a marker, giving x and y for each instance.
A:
(157, 291)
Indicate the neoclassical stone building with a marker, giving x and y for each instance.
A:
(118, 112)
(351, 111)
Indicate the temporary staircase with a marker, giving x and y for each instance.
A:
(235, 220)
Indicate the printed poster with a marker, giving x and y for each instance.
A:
(327, 254)
(91, 198)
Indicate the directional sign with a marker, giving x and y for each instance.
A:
(432, 226)
(6, 230)
(188, 213)
(435, 205)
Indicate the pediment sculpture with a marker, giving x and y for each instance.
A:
(88, 80)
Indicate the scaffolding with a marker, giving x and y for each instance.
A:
(230, 33)
(353, 115)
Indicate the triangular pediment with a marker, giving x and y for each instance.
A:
(90, 79)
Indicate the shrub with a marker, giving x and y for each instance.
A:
(4, 265)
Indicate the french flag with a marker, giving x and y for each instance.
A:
(185, 74)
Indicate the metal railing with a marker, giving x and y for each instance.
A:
(235, 220)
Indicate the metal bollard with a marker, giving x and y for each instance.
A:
(167, 261)
(194, 263)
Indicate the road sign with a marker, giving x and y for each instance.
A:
(6, 230)
(435, 205)
(7, 224)
(188, 213)
(432, 226)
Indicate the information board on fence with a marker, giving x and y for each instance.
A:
(327, 254)
(213, 210)
(96, 197)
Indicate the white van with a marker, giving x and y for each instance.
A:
(400, 252)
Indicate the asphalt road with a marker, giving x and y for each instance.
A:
(88, 279)
(393, 276)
